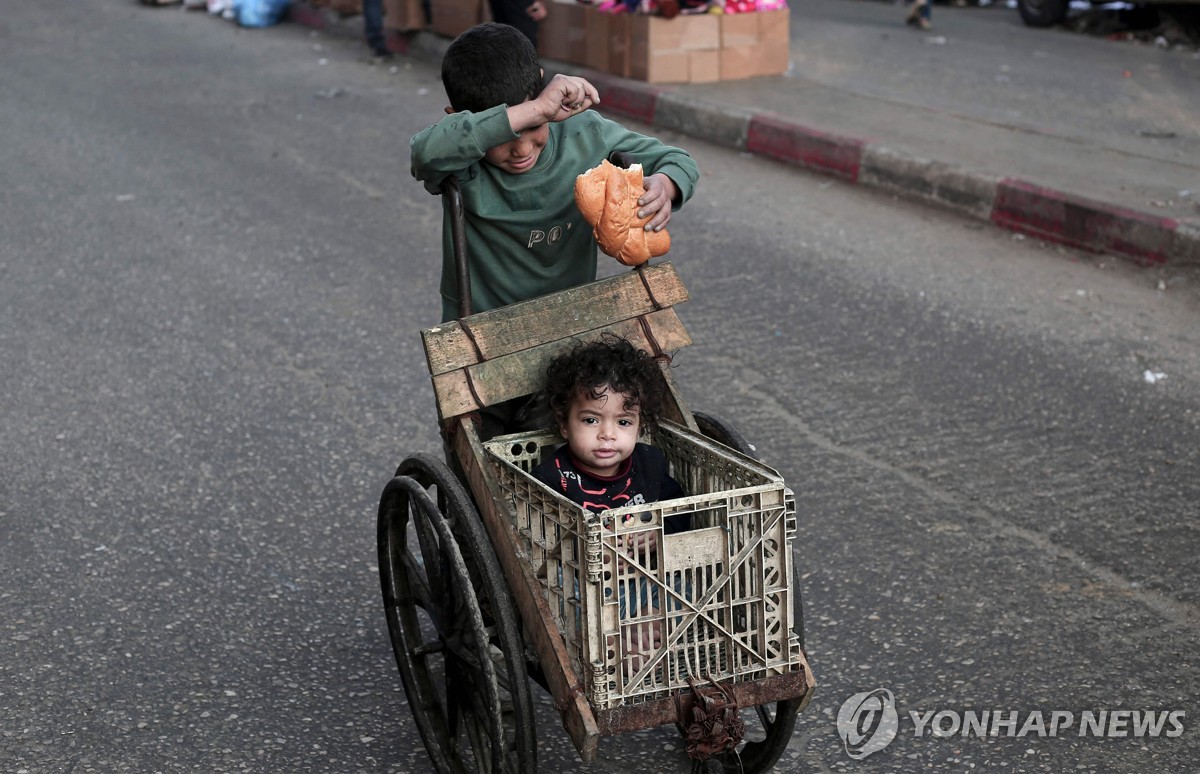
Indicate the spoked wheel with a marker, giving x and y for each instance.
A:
(453, 626)
(770, 729)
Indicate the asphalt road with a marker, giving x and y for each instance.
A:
(213, 269)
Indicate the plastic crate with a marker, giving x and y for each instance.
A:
(718, 598)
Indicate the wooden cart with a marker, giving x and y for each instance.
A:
(491, 580)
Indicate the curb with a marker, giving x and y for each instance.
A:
(1017, 205)
(1010, 203)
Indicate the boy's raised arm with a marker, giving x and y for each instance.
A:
(455, 143)
(563, 97)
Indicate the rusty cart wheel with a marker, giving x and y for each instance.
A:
(770, 730)
(767, 736)
(453, 626)
(716, 428)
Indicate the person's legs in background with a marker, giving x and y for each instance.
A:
(921, 14)
(515, 13)
(372, 13)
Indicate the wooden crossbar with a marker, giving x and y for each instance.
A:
(502, 354)
(559, 315)
(523, 373)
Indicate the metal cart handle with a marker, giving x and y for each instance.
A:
(458, 236)
(621, 159)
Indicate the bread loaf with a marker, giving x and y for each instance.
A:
(607, 197)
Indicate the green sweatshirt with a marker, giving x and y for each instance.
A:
(525, 236)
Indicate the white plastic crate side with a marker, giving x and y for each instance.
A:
(720, 613)
(775, 641)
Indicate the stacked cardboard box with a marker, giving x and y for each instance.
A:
(403, 15)
(451, 18)
(562, 35)
(754, 44)
(685, 49)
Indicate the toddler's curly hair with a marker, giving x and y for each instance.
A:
(613, 362)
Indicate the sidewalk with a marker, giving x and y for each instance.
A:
(1079, 188)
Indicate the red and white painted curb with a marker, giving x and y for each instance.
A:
(1019, 205)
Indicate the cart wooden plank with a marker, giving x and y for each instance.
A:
(570, 312)
(565, 686)
(522, 373)
(674, 408)
(751, 693)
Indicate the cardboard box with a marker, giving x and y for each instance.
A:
(607, 45)
(562, 35)
(704, 66)
(739, 62)
(403, 15)
(774, 42)
(773, 26)
(683, 49)
(754, 44)
(774, 58)
(620, 49)
(694, 32)
(550, 33)
(451, 18)
(697, 48)
(595, 44)
(661, 67)
(740, 29)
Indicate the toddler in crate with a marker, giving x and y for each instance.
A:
(603, 396)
